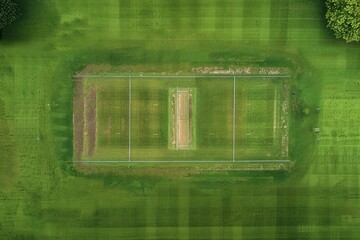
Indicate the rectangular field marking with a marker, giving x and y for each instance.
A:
(183, 99)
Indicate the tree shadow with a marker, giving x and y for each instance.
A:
(38, 19)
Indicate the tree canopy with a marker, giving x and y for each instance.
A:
(343, 17)
(8, 13)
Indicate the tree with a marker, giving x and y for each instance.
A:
(8, 13)
(343, 17)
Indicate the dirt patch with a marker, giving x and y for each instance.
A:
(78, 120)
(241, 70)
(91, 121)
(173, 122)
(285, 121)
(181, 127)
(148, 69)
(181, 69)
(180, 171)
(183, 120)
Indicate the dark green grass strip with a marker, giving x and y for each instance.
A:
(214, 112)
(278, 21)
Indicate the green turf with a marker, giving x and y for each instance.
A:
(43, 198)
(257, 127)
(113, 116)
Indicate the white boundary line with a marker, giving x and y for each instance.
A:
(234, 116)
(184, 76)
(177, 116)
(188, 118)
(180, 161)
(185, 161)
(129, 119)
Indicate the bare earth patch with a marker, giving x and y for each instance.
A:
(78, 120)
(181, 112)
(285, 121)
(183, 120)
(240, 70)
(91, 121)
(180, 171)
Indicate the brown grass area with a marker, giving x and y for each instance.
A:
(78, 120)
(91, 121)
(171, 172)
(179, 171)
(285, 121)
(183, 120)
(173, 122)
(149, 69)
(234, 69)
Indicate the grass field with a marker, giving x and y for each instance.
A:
(128, 119)
(43, 197)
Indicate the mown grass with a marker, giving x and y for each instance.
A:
(253, 127)
(319, 202)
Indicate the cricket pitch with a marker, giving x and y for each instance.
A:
(181, 130)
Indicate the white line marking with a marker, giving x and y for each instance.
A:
(189, 76)
(234, 116)
(188, 119)
(129, 119)
(176, 107)
(184, 161)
